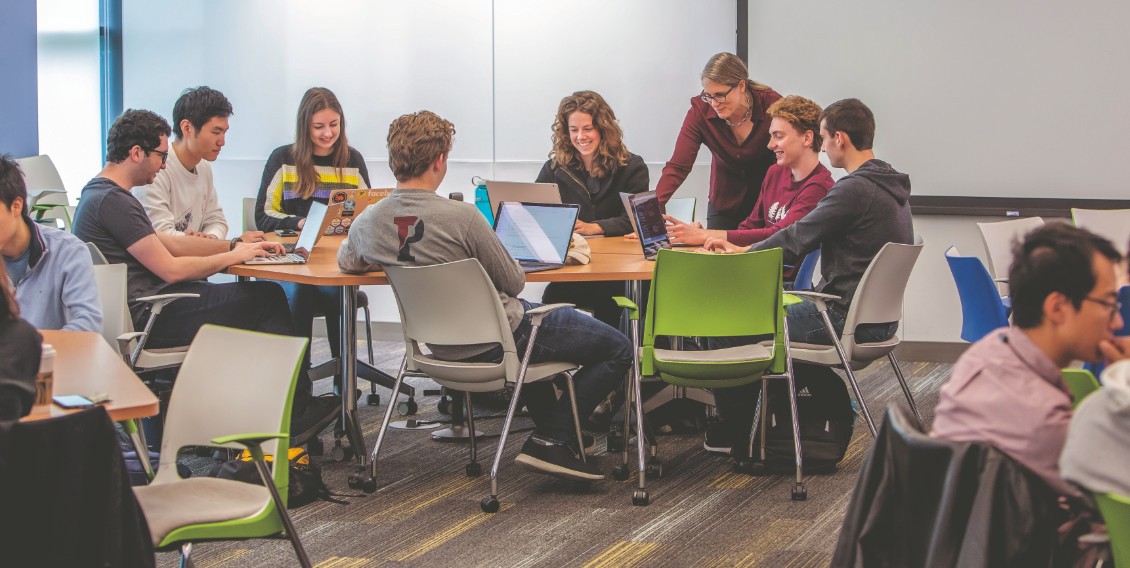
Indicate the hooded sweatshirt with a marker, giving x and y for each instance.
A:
(1097, 452)
(863, 211)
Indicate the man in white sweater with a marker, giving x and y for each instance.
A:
(182, 199)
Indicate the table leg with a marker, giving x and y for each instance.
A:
(137, 437)
(348, 350)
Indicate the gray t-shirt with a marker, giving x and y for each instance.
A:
(413, 227)
(113, 219)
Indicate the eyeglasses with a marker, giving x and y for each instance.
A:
(718, 98)
(164, 155)
(1114, 306)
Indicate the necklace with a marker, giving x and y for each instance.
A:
(748, 113)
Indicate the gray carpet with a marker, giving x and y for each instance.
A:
(426, 511)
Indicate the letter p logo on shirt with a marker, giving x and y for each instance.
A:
(409, 230)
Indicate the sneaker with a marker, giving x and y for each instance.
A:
(556, 459)
(320, 411)
(589, 441)
(718, 439)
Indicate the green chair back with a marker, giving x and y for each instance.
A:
(1116, 513)
(1081, 383)
(707, 295)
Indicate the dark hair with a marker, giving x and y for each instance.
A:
(140, 128)
(198, 106)
(1054, 258)
(853, 118)
(12, 184)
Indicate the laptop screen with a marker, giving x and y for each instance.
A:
(650, 226)
(536, 232)
(312, 229)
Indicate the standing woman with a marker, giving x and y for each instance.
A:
(592, 167)
(729, 118)
(320, 160)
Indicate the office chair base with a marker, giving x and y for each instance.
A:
(413, 424)
(654, 468)
(454, 434)
(640, 498)
(362, 480)
(489, 505)
(620, 472)
(474, 469)
(373, 399)
(799, 492)
(407, 408)
(340, 453)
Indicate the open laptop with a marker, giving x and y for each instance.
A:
(346, 204)
(520, 192)
(537, 235)
(624, 197)
(312, 230)
(647, 217)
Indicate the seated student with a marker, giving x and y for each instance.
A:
(1096, 454)
(1006, 389)
(20, 348)
(160, 263)
(443, 230)
(591, 166)
(50, 269)
(792, 187)
(863, 211)
(319, 160)
(182, 199)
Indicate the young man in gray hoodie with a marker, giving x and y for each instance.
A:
(864, 210)
(416, 227)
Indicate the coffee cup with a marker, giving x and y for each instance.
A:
(45, 380)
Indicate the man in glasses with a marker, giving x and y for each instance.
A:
(1006, 389)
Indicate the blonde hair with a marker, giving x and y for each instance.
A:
(611, 151)
(729, 69)
(802, 113)
(415, 141)
(316, 99)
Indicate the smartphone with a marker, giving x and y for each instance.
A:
(73, 401)
(286, 232)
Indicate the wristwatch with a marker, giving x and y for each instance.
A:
(234, 242)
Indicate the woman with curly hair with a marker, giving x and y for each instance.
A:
(591, 166)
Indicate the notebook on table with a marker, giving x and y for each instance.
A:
(647, 217)
(521, 192)
(537, 235)
(316, 221)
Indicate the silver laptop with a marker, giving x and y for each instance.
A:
(522, 192)
(647, 217)
(624, 197)
(537, 235)
(311, 231)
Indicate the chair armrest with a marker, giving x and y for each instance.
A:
(820, 299)
(161, 300)
(124, 341)
(250, 440)
(254, 444)
(624, 303)
(537, 314)
(1002, 280)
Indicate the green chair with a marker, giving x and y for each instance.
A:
(1081, 383)
(1116, 512)
(706, 295)
(253, 374)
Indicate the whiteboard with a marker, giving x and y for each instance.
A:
(1009, 98)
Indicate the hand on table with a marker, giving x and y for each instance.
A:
(252, 237)
(587, 229)
(681, 233)
(722, 246)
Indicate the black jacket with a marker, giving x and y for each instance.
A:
(603, 207)
(20, 346)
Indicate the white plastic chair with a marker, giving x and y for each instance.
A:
(257, 373)
(456, 304)
(682, 208)
(999, 237)
(1112, 224)
(47, 197)
(249, 214)
(878, 299)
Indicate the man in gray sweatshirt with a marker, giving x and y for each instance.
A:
(416, 227)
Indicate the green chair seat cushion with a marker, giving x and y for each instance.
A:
(198, 500)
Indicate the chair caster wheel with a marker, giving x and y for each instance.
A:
(407, 408)
(444, 405)
(373, 399)
(315, 448)
(654, 468)
(615, 442)
(340, 453)
(362, 481)
(799, 492)
(474, 469)
(620, 473)
(640, 498)
(489, 505)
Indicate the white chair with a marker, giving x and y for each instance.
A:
(878, 299)
(249, 214)
(456, 304)
(682, 208)
(1112, 224)
(257, 373)
(999, 237)
(47, 198)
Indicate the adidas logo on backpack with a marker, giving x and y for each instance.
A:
(804, 392)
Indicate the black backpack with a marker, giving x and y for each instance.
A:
(305, 485)
(825, 420)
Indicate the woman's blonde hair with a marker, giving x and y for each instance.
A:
(729, 69)
(611, 151)
(316, 99)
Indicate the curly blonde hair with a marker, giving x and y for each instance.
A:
(611, 152)
(415, 141)
(802, 113)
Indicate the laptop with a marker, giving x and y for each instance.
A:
(624, 197)
(346, 204)
(537, 235)
(521, 192)
(313, 229)
(647, 217)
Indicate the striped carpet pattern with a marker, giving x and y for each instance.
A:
(425, 511)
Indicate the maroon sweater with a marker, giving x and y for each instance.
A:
(782, 203)
(736, 170)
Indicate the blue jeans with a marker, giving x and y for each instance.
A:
(603, 353)
(305, 301)
(806, 325)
